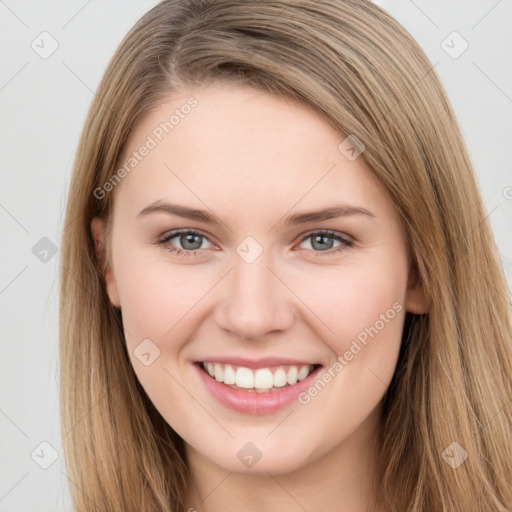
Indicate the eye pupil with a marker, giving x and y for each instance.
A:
(322, 239)
(188, 237)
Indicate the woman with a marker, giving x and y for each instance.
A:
(257, 370)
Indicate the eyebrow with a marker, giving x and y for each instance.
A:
(331, 212)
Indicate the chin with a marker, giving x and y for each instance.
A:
(249, 459)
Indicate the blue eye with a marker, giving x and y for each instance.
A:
(191, 242)
(187, 238)
(320, 240)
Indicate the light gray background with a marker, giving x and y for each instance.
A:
(43, 104)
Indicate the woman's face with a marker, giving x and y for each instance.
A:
(294, 267)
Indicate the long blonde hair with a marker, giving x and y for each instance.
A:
(367, 76)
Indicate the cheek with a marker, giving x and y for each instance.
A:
(155, 296)
(359, 309)
(362, 314)
(347, 300)
(159, 304)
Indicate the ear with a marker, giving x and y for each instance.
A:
(98, 234)
(415, 298)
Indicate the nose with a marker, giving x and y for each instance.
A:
(255, 301)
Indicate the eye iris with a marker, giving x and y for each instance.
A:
(188, 237)
(323, 239)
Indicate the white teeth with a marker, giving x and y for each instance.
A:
(218, 372)
(244, 378)
(291, 375)
(260, 380)
(263, 379)
(229, 375)
(303, 373)
(279, 378)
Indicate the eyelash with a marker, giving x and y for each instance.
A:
(345, 242)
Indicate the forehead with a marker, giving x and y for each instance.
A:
(234, 143)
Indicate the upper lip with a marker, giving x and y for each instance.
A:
(264, 362)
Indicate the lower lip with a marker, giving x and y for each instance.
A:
(252, 402)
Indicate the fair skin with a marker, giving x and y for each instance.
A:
(251, 159)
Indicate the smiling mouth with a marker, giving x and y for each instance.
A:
(259, 380)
